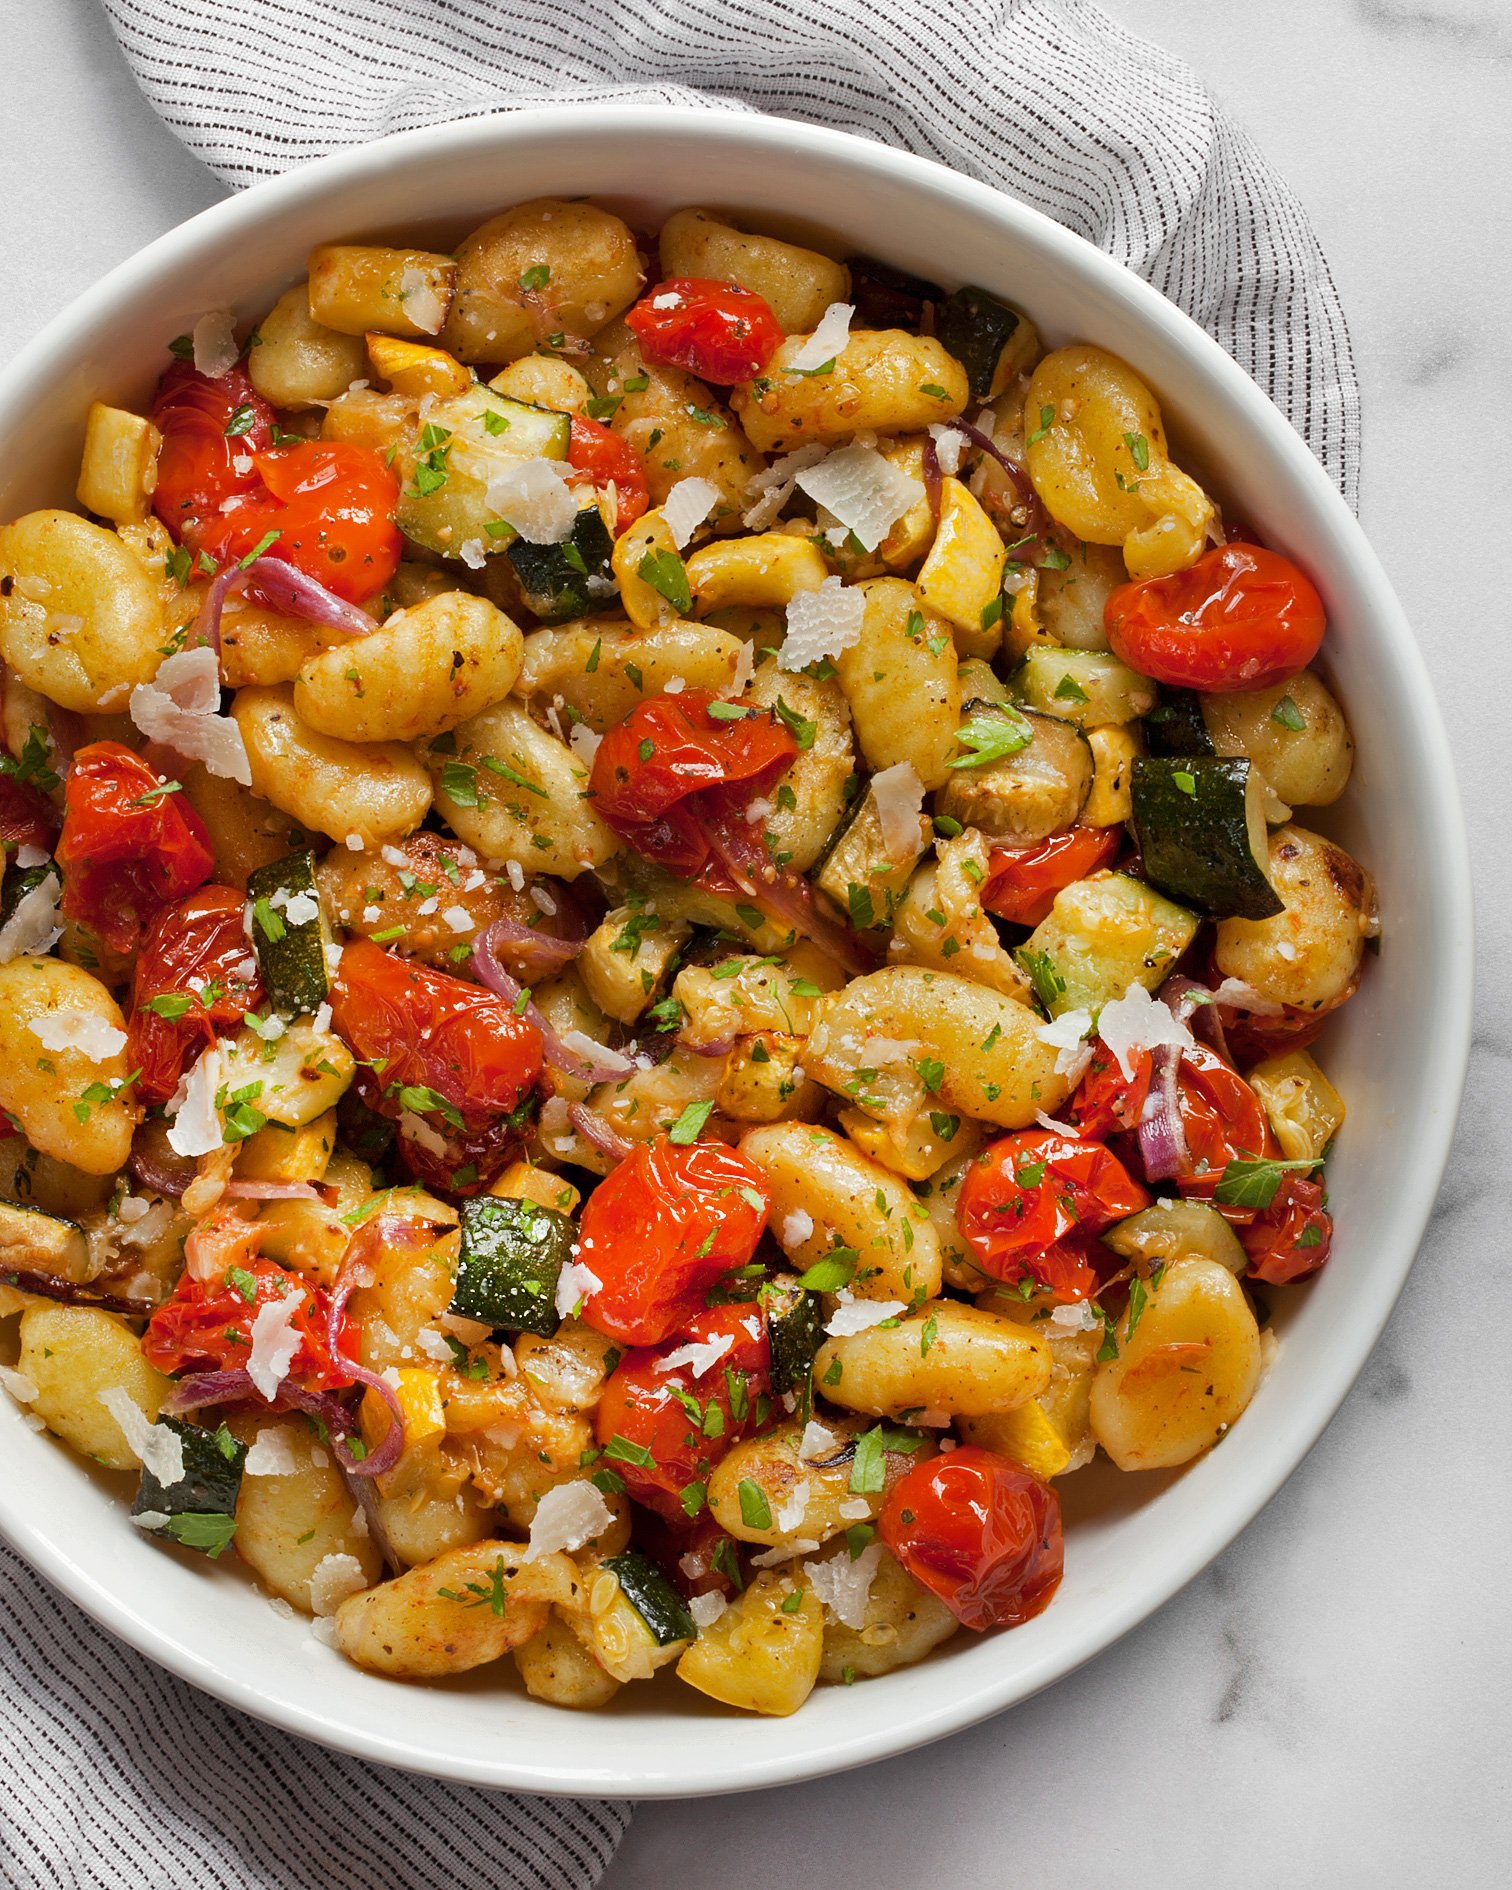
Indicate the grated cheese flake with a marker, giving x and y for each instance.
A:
(1065, 1036)
(797, 1227)
(422, 305)
(900, 800)
(950, 447)
(701, 1355)
(575, 1283)
(568, 1516)
(820, 624)
(1138, 1021)
(275, 1340)
(827, 340)
(84, 1031)
(844, 1586)
(335, 1580)
(159, 1450)
(706, 1609)
(271, 1454)
(772, 488)
(179, 709)
(817, 1441)
(20, 1387)
(686, 507)
(532, 495)
(789, 1515)
(33, 926)
(866, 492)
(784, 1552)
(214, 341)
(197, 1125)
(853, 1315)
(458, 918)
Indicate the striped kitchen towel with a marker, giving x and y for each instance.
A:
(119, 1775)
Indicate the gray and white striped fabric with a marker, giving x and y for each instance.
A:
(119, 1775)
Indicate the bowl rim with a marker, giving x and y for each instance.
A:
(1230, 1506)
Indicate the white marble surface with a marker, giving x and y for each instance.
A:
(1328, 1705)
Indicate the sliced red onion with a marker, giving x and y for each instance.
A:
(199, 1389)
(202, 1389)
(720, 1047)
(239, 1189)
(161, 1176)
(70, 1293)
(783, 898)
(1162, 1139)
(581, 1066)
(1018, 477)
(207, 622)
(383, 1230)
(538, 953)
(603, 1135)
(282, 588)
(932, 476)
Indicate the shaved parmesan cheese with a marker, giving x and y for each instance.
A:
(775, 486)
(196, 1121)
(1245, 997)
(1065, 1034)
(858, 1315)
(791, 1513)
(1055, 1125)
(28, 857)
(686, 507)
(335, 1580)
(1078, 1316)
(178, 708)
(299, 907)
(33, 926)
(866, 492)
(592, 1051)
(150, 1519)
(784, 1552)
(844, 1586)
(669, 298)
(745, 668)
(584, 743)
(567, 1516)
(854, 1509)
(827, 340)
(417, 1130)
(900, 798)
(797, 1227)
(817, 1441)
(20, 1387)
(1138, 1021)
(532, 495)
(821, 623)
(271, 1455)
(214, 341)
(701, 1356)
(575, 1283)
(275, 1340)
(85, 1031)
(159, 1450)
(706, 1609)
(544, 900)
(458, 918)
(422, 305)
(950, 448)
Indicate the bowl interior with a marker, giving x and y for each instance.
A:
(1397, 1053)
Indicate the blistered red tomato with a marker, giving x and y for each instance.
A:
(196, 977)
(1290, 1239)
(715, 330)
(1222, 1120)
(661, 1229)
(27, 818)
(1028, 1202)
(1022, 882)
(662, 1431)
(451, 1053)
(1106, 1101)
(207, 1326)
(1241, 617)
(604, 461)
(979, 1532)
(211, 429)
(131, 844)
(673, 773)
(324, 506)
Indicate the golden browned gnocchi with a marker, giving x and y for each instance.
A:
(602, 916)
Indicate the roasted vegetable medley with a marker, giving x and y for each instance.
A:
(656, 959)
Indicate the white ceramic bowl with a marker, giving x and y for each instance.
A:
(1397, 1053)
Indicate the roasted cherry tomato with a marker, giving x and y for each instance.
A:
(203, 466)
(1106, 1101)
(448, 1052)
(1252, 1036)
(979, 1532)
(207, 1326)
(27, 817)
(326, 507)
(196, 976)
(661, 1229)
(1223, 1120)
(1022, 881)
(715, 330)
(1241, 617)
(1029, 1193)
(1293, 1236)
(663, 1429)
(699, 1558)
(603, 460)
(131, 844)
(666, 778)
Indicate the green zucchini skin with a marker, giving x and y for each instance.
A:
(211, 1483)
(20, 882)
(1194, 819)
(293, 965)
(1089, 687)
(512, 1254)
(976, 327)
(1178, 727)
(571, 579)
(653, 1597)
(890, 298)
(795, 1331)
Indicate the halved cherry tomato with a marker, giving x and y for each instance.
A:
(1223, 1121)
(1022, 881)
(196, 976)
(328, 508)
(131, 844)
(663, 1431)
(1293, 1236)
(1252, 1036)
(207, 1326)
(602, 459)
(1241, 617)
(661, 1229)
(201, 467)
(664, 777)
(699, 1558)
(27, 817)
(715, 330)
(448, 1052)
(1106, 1101)
(1029, 1193)
(979, 1532)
